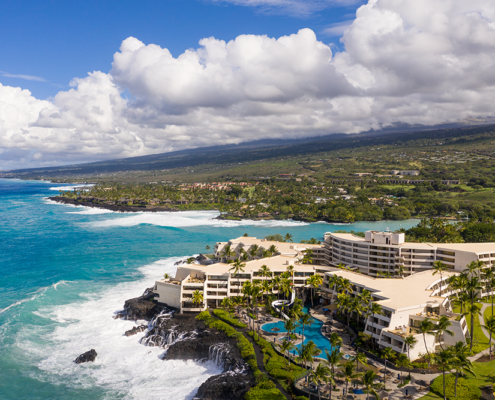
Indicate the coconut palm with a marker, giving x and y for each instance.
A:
(288, 237)
(368, 381)
(461, 363)
(344, 303)
(227, 304)
(265, 272)
(426, 327)
(237, 267)
(319, 375)
(266, 287)
(490, 327)
(334, 358)
(439, 268)
(197, 298)
(290, 270)
(315, 282)
(442, 328)
(254, 250)
(348, 373)
(335, 340)
(374, 309)
(273, 249)
(227, 252)
(307, 352)
(247, 288)
(387, 354)
(472, 309)
(305, 320)
(255, 292)
(402, 362)
(345, 285)
(166, 276)
(410, 341)
(276, 281)
(286, 347)
(444, 360)
(356, 307)
(333, 283)
(308, 257)
(290, 326)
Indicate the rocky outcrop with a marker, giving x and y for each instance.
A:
(141, 307)
(227, 386)
(185, 338)
(135, 330)
(86, 357)
(116, 208)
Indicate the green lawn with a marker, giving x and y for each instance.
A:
(485, 375)
(480, 340)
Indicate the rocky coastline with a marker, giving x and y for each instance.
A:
(111, 207)
(183, 337)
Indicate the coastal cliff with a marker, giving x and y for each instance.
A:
(183, 337)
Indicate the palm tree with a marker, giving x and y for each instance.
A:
(368, 381)
(290, 271)
(286, 347)
(333, 283)
(289, 325)
(265, 272)
(197, 298)
(461, 363)
(308, 352)
(207, 248)
(410, 341)
(344, 303)
(266, 287)
(166, 276)
(255, 292)
(348, 374)
(276, 284)
(474, 268)
(286, 286)
(334, 358)
(356, 308)
(306, 320)
(439, 268)
(273, 249)
(402, 361)
(227, 304)
(314, 281)
(247, 288)
(288, 237)
(335, 340)
(253, 250)
(387, 354)
(444, 360)
(472, 309)
(442, 328)
(237, 267)
(308, 257)
(345, 285)
(319, 375)
(374, 309)
(490, 327)
(227, 252)
(426, 327)
(360, 358)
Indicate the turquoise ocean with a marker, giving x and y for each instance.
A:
(64, 273)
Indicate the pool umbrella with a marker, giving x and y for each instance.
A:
(275, 329)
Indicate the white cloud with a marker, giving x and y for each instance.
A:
(412, 61)
(338, 28)
(300, 8)
(25, 77)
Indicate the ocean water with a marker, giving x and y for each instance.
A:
(64, 273)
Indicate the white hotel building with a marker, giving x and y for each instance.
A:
(405, 300)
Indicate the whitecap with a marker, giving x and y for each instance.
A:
(123, 366)
(90, 211)
(72, 187)
(38, 292)
(186, 219)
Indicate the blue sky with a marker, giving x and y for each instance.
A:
(57, 40)
(150, 77)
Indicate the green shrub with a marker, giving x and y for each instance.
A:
(258, 393)
(465, 390)
(225, 316)
(420, 365)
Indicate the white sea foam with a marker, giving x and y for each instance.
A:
(123, 366)
(185, 219)
(90, 211)
(72, 187)
(36, 294)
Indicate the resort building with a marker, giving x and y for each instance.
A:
(405, 303)
(386, 252)
(217, 281)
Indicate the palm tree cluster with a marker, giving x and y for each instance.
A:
(467, 288)
(229, 255)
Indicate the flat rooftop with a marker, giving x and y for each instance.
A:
(399, 294)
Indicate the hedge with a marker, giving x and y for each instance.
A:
(225, 316)
(265, 389)
(465, 390)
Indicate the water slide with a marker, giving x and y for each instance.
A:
(277, 304)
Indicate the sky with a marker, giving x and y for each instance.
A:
(86, 81)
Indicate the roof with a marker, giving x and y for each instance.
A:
(282, 247)
(275, 264)
(403, 293)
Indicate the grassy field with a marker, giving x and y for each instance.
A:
(485, 375)
(481, 342)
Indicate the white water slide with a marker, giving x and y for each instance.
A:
(286, 303)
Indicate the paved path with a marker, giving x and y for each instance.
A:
(482, 320)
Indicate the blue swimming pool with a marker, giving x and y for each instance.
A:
(312, 332)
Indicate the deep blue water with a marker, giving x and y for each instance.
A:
(65, 271)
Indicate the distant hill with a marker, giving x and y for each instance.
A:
(258, 150)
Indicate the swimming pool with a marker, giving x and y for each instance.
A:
(312, 332)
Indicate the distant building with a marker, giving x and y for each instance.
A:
(410, 172)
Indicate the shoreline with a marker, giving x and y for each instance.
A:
(223, 217)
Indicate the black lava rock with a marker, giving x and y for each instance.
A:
(86, 357)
